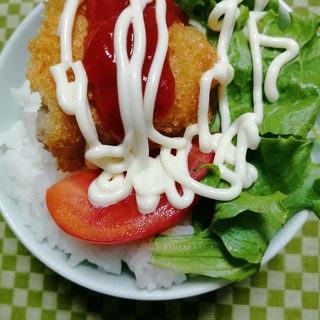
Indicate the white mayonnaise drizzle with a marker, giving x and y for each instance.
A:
(128, 166)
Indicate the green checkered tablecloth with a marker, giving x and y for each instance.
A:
(286, 288)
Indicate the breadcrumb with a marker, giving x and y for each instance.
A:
(190, 54)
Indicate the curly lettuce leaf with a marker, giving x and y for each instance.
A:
(298, 83)
(202, 254)
(197, 9)
(288, 182)
(234, 235)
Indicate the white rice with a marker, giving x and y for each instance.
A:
(31, 170)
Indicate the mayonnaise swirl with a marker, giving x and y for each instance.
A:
(127, 166)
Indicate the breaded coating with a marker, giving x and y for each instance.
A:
(58, 132)
(190, 55)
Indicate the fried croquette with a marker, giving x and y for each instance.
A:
(190, 54)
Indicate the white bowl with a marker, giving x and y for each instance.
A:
(13, 61)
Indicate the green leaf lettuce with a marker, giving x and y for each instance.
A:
(231, 237)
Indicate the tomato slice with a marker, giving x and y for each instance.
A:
(69, 206)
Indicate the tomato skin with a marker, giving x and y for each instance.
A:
(68, 204)
(121, 222)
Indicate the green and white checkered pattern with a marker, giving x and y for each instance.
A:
(11, 13)
(313, 5)
(286, 288)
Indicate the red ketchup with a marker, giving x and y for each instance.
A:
(100, 62)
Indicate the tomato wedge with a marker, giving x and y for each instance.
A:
(69, 206)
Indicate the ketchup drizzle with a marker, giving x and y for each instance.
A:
(100, 62)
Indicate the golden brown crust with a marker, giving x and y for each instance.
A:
(190, 55)
(59, 132)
